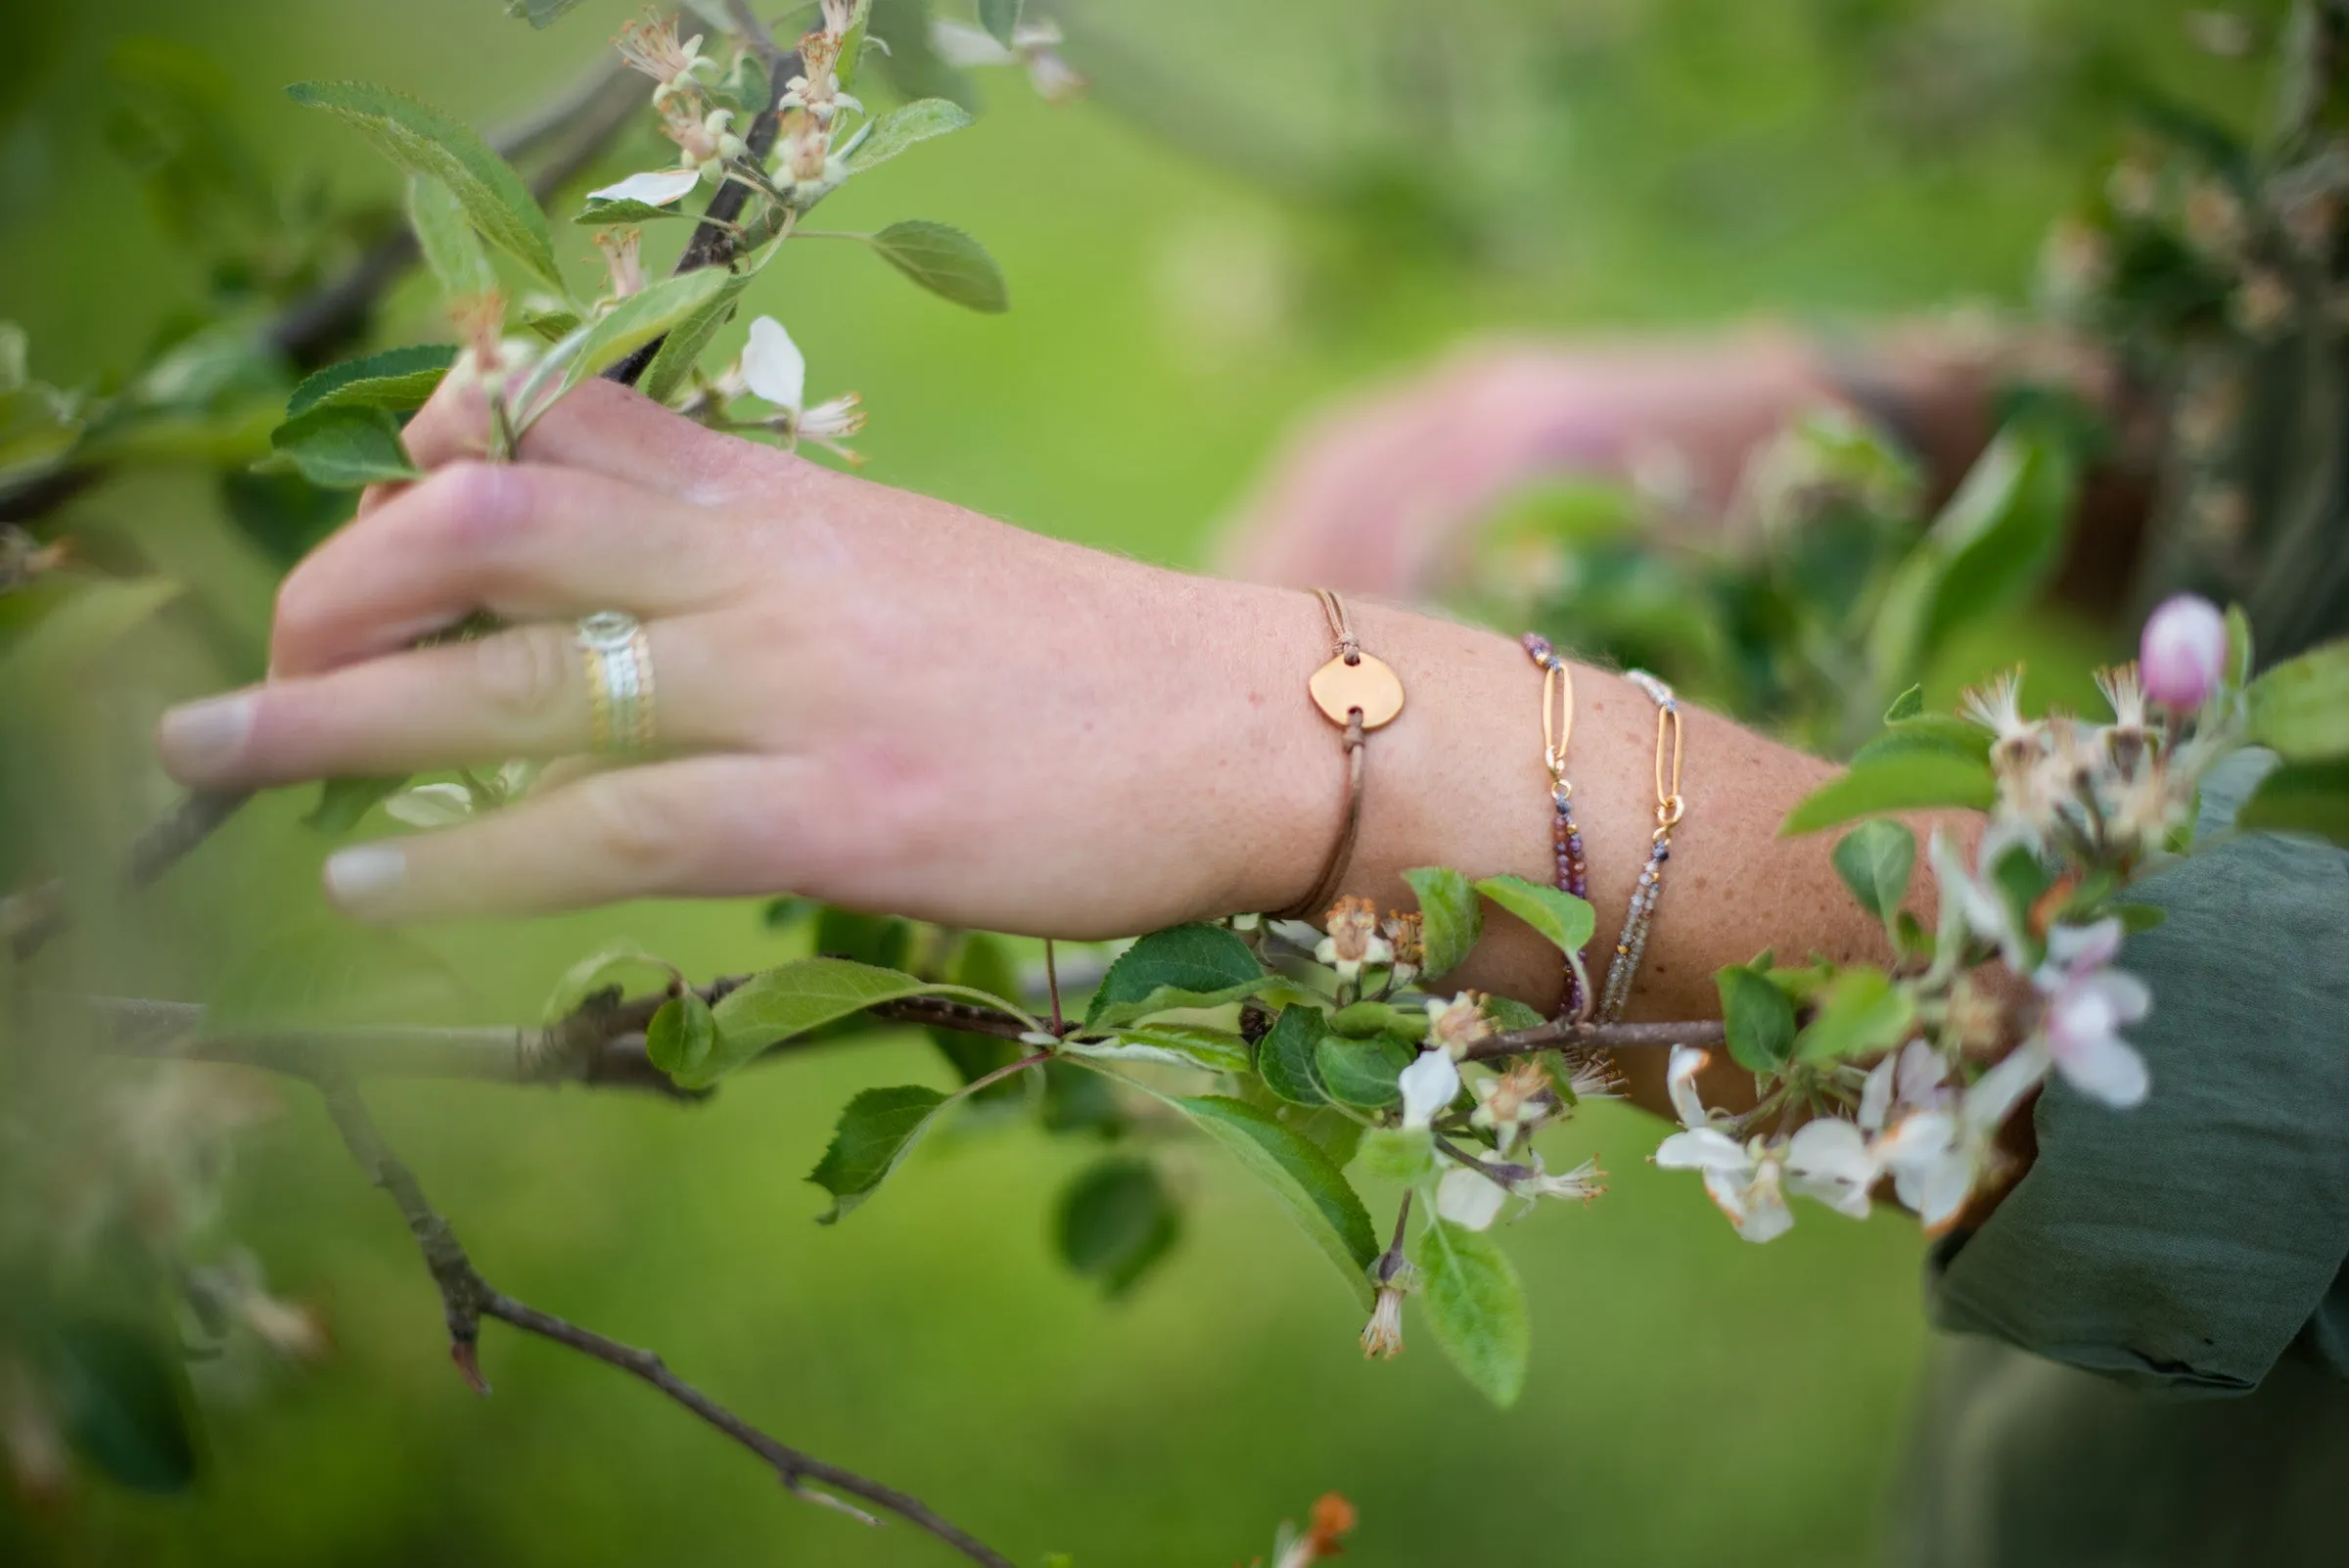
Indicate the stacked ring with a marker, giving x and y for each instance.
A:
(620, 681)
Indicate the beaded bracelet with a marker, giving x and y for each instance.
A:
(1565, 839)
(1632, 944)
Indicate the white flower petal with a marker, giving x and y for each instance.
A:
(2085, 947)
(1875, 1095)
(1916, 1141)
(1679, 1078)
(1766, 1217)
(1428, 1084)
(1996, 1093)
(1924, 1075)
(772, 366)
(1832, 1150)
(1944, 1187)
(1843, 1197)
(657, 188)
(1702, 1149)
(2106, 1068)
(2129, 998)
(431, 806)
(1469, 1199)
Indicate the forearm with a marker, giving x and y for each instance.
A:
(1458, 780)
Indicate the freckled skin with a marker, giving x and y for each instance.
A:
(889, 702)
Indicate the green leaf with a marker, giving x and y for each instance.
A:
(1758, 1016)
(124, 1402)
(452, 252)
(1565, 920)
(540, 13)
(1510, 1015)
(343, 801)
(1187, 966)
(1214, 1050)
(424, 141)
(1860, 1013)
(1116, 1220)
(1908, 782)
(1309, 1186)
(804, 995)
(611, 964)
(1874, 861)
(343, 448)
(882, 941)
(905, 125)
(623, 211)
(681, 1035)
(1000, 18)
(2301, 798)
(852, 42)
(396, 379)
(2136, 917)
(982, 963)
(2300, 709)
(1943, 733)
(875, 1132)
(2241, 649)
(1286, 1058)
(1362, 1072)
(637, 320)
(1476, 1307)
(672, 365)
(946, 261)
(1450, 919)
(1908, 705)
(1993, 547)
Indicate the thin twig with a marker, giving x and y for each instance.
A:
(1052, 984)
(1560, 1033)
(717, 238)
(466, 1298)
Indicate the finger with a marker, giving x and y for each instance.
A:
(599, 425)
(702, 826)
(521, 693)
(525, 541)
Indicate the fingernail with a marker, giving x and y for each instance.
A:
(202, 739)
(363, 874)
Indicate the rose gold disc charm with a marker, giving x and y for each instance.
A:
(1338, 688)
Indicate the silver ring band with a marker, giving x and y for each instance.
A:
(618, 658)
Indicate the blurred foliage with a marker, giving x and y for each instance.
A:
(1260, 204)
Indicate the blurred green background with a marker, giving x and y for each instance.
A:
(1180, 294)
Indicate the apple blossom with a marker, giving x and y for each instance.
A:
(2182, 656)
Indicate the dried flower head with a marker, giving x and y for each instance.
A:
(1516, 1102)
(1404, 935)
(1353, 939)
(1382, 1335)
(621, 260)
(1454, 1026)
(650, 45)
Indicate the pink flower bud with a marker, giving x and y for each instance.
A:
(2183, 656)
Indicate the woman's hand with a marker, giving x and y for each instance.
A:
(888, 703)
(863, 695)
(1380, 495)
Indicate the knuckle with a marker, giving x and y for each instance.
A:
(477, 507)
(524, 675)
(635, 829)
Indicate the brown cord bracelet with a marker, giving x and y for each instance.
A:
(1358, 693)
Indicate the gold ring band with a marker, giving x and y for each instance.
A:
(618, 660)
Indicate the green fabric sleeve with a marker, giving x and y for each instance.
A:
(2185, 1243)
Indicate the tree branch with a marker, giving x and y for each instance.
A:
(1565, 1033)
(466, 1298)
